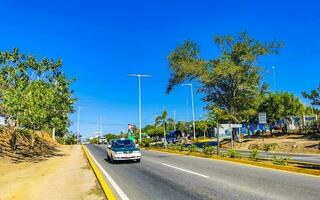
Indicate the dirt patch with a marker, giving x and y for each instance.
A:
(67, 176)
(44, 147)
(289, 143)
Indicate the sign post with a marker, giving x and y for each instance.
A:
(262, 118)
(131, 132)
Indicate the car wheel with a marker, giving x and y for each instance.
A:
(111, 160)
(138, 160)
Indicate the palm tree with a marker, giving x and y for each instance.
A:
(162, 120)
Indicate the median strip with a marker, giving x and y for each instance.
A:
(290, 169)
(184, 170)
(97, 168)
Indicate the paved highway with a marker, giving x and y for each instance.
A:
(166, 176)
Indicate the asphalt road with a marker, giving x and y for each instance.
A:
(166, 176)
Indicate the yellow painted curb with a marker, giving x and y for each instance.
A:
(103, 183)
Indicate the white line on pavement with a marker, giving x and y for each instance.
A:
(122, 195)
(184, 170)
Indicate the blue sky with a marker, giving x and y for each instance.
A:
(100, 42)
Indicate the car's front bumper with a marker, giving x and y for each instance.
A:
(132, 156)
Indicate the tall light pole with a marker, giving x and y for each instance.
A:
(139, 78)
(174, 120)
(274, 77)
(194, 125)
(78, 128)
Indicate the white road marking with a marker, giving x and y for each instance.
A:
(122, 195)
(184, 170)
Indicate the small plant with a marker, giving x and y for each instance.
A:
(233, 153)
(181, 147)
(192, 148)
(146, 142)
(281, 160)
(223, 154)
(209, 150)
(254, 155)
(268, 147)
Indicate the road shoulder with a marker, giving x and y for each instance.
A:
(68, 176)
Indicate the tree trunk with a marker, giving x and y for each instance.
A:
(54, 134)
(164, 137)
(32, 139)
(218, 141)
(13, 140)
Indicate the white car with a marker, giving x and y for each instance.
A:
(122, 149)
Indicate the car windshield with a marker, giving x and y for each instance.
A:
(123, 143)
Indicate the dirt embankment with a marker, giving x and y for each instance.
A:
(289, 143)
(45, 171)
(44, 147)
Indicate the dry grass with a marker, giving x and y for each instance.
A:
(286, 143)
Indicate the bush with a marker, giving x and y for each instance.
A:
(281, 160)
(209, 150)
(181, 147)
(254, 155)
(146, 142)
(192, 148)
(223, 154)
(267, 147)
(233, 153)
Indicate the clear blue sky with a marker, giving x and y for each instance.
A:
(100, 42)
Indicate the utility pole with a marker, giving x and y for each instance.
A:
(274, 77)
(78, 128)
(218, 140)
(192, 102)
(174, 120)
(139, 79)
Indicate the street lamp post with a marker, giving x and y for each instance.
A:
(194, 125)
(274, 77)
(78, 128)
(139, 79)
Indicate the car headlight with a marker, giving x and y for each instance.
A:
(136, 151)
(117, 152)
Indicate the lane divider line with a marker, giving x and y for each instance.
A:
(184, 170)
(97, 168)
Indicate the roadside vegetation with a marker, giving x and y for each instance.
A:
(233, 88)
(35, 96)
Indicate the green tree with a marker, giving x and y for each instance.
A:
(202, 126)
(162, 120)
(281, 105)
(232, 81)
(313, 96)
(35, 94)
(182, 126)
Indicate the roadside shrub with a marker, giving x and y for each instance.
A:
(60, 140)
(146, 142)
(209, 150)
(254, 155)
(223, 154)
(281, 160)
(192, 148)
(268, 147)
(233, 153)
(181, 147)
